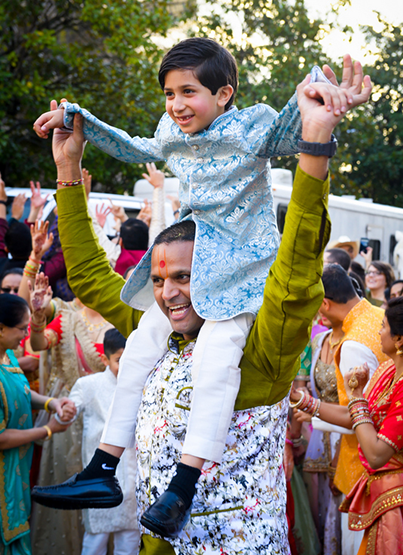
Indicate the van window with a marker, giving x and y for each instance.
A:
(281, 212)
(375, 244)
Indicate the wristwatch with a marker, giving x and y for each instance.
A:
(319, 149)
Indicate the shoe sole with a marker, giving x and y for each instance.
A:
(154, 527)
(83, 503)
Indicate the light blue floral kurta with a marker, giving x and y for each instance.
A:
(240, 503)
(225, 184)
(15, 494)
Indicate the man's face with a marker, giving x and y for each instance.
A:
(189, 103)
(396, 290)
(170, 272)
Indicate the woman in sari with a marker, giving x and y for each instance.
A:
(376, 501)
(76, 338)
(16, 430)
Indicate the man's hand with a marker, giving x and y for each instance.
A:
(323, 105)
(41, 242)
(17, 208)
(154, 176)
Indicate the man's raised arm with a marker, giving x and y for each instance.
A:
(293, 291)
(88, 271)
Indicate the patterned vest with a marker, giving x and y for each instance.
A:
(362, 325)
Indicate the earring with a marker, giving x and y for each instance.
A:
(399, 350)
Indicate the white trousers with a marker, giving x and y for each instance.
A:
(350, 540)
(126, 542)
(216, 378)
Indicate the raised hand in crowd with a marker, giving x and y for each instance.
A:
(118, 212)
(176, 205)
(41, 241)
(367, 256)
(40, 297)
(37, 201)
(356, 379)
(87, 178)
(101, 213)
(145, 213)
(155, 177)
(3, 199)
(17, 208)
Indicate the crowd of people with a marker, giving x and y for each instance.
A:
(254, 407)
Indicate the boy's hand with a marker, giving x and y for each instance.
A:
(155, 177)
(49, 120)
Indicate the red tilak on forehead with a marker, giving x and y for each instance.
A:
(162, 264)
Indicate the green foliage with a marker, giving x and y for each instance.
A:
(98, 52)
(371, 139)
(277, 46)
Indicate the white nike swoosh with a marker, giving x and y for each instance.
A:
(107, 467)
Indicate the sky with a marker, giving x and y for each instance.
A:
(361, 12)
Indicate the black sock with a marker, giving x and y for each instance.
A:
(184, 482)
(102, 465)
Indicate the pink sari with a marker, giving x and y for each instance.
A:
(375, 502)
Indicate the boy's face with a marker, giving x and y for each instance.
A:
(113, 361)
(190, 104)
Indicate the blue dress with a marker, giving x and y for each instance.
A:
(15, 463)
(225, 187)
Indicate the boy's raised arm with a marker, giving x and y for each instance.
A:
(109, 139)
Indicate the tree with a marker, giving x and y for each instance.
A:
(371, 140)
(101, 53)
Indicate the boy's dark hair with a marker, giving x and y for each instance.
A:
(134, 235)
(18, 240)
(394, 315)
(210, 62)
(113, 341)
(339, 256)
(337, 284)
(182, 232)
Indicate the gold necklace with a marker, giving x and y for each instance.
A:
(5, 361)
(390, 388)
(333, 345)
(89, 325)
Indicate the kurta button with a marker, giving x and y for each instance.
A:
(200, 159)
(197, 212)
(196, 147)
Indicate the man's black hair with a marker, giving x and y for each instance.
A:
(113, 341)
(18, 240)
(210, 62)
(339, 256)
(134, 235)
(182, 232)
(337, 284)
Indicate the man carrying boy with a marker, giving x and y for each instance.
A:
(221, 157)
(241, 505)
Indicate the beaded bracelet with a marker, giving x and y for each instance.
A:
(38, 328)
(70, 183)
(46, 405)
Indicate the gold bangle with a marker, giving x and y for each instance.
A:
(48, 431)
(46, 405)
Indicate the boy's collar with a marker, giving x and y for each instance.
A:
(232, 109)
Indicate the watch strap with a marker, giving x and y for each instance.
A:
(319, 149)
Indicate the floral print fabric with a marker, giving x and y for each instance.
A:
(239, 506)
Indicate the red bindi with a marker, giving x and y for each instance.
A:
(162, 264)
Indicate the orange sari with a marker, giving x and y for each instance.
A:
(375, 503)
